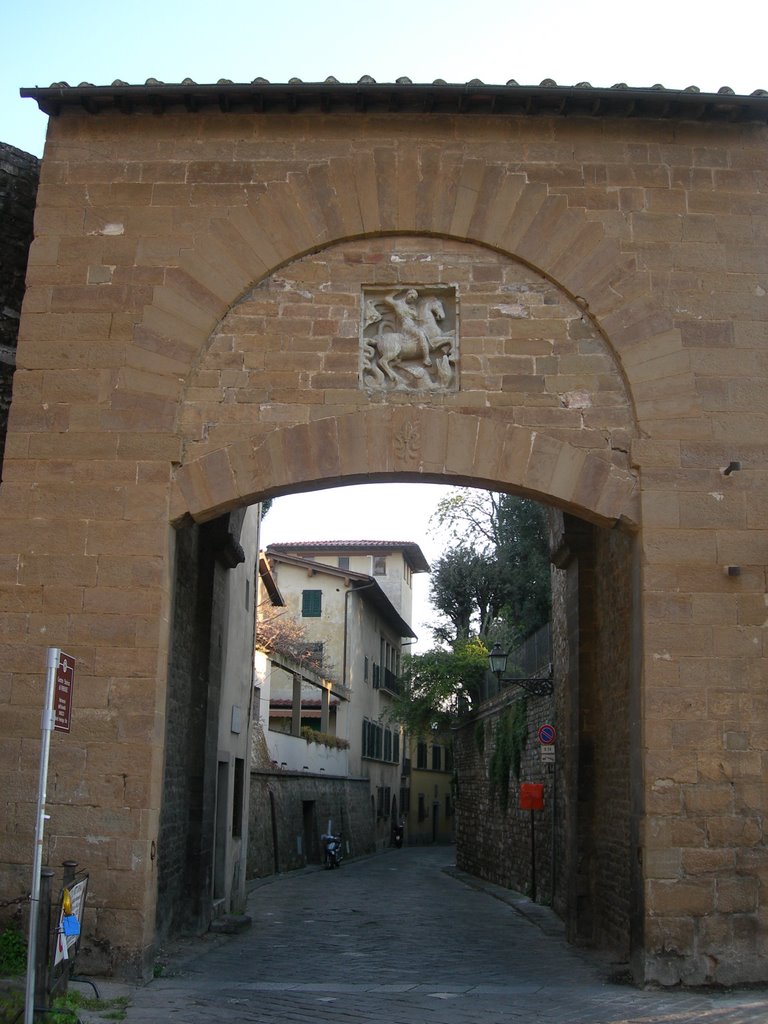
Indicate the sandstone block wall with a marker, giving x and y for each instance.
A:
(159, 377)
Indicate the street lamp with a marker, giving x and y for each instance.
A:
(539, 686)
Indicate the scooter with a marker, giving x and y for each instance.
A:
(333, 855)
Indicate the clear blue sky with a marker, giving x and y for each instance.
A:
(674, 42)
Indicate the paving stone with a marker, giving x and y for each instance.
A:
(405, 938)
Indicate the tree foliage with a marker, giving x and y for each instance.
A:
(439, 685)
(491, 583)
(493, 579)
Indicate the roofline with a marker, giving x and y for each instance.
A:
(315, 566)
(406, 97)
(359, 581)
(270, 584)
(409, 548)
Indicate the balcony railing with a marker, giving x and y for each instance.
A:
(390, 682)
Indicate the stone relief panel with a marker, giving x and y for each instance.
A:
(409, 339)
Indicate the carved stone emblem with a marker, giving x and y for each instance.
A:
(409, 339)
(408, 443)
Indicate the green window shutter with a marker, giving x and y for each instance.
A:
(311, 604)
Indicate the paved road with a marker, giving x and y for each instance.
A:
(398, 939)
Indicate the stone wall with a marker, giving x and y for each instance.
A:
(289, 812)
(585, 836)
(597, 694)
(149, 388)
(19, 173)
(185, 838)
(493, 835)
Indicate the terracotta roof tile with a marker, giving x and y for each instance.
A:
(548, 98)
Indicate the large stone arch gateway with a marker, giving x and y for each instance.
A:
(577, 282)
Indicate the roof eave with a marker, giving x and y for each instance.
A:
(402, 98)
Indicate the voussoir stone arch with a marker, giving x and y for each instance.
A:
(419, 189)
(281, 399)
(409, 445)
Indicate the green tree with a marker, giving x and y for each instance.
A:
(493, 579)
(440, 685)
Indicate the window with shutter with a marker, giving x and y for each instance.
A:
(311, 604)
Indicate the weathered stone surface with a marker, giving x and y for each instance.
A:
(193, 309)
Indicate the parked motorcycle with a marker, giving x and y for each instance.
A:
(333, 855)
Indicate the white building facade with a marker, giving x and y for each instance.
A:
(350, 602)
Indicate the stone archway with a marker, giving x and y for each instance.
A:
(153, 231)
(280, 401)
(542, 407)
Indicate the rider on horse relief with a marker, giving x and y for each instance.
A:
(408, 325)
(407, 337)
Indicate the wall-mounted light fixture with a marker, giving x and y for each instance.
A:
(540, 686)
(732, 570)
(732, 467)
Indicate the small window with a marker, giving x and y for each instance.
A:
(311, 604)
(365, 669)
(379, 565)
(437, 753)
(343, 561)
(421, 755)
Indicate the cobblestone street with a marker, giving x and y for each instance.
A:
(404, 938)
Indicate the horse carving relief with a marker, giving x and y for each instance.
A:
(409, 339)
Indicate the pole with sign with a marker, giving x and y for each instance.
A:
(59, 684)
(547, 736)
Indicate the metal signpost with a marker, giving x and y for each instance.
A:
(59, 684)
(547, 736)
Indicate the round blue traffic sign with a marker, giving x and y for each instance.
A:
(547, 734)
